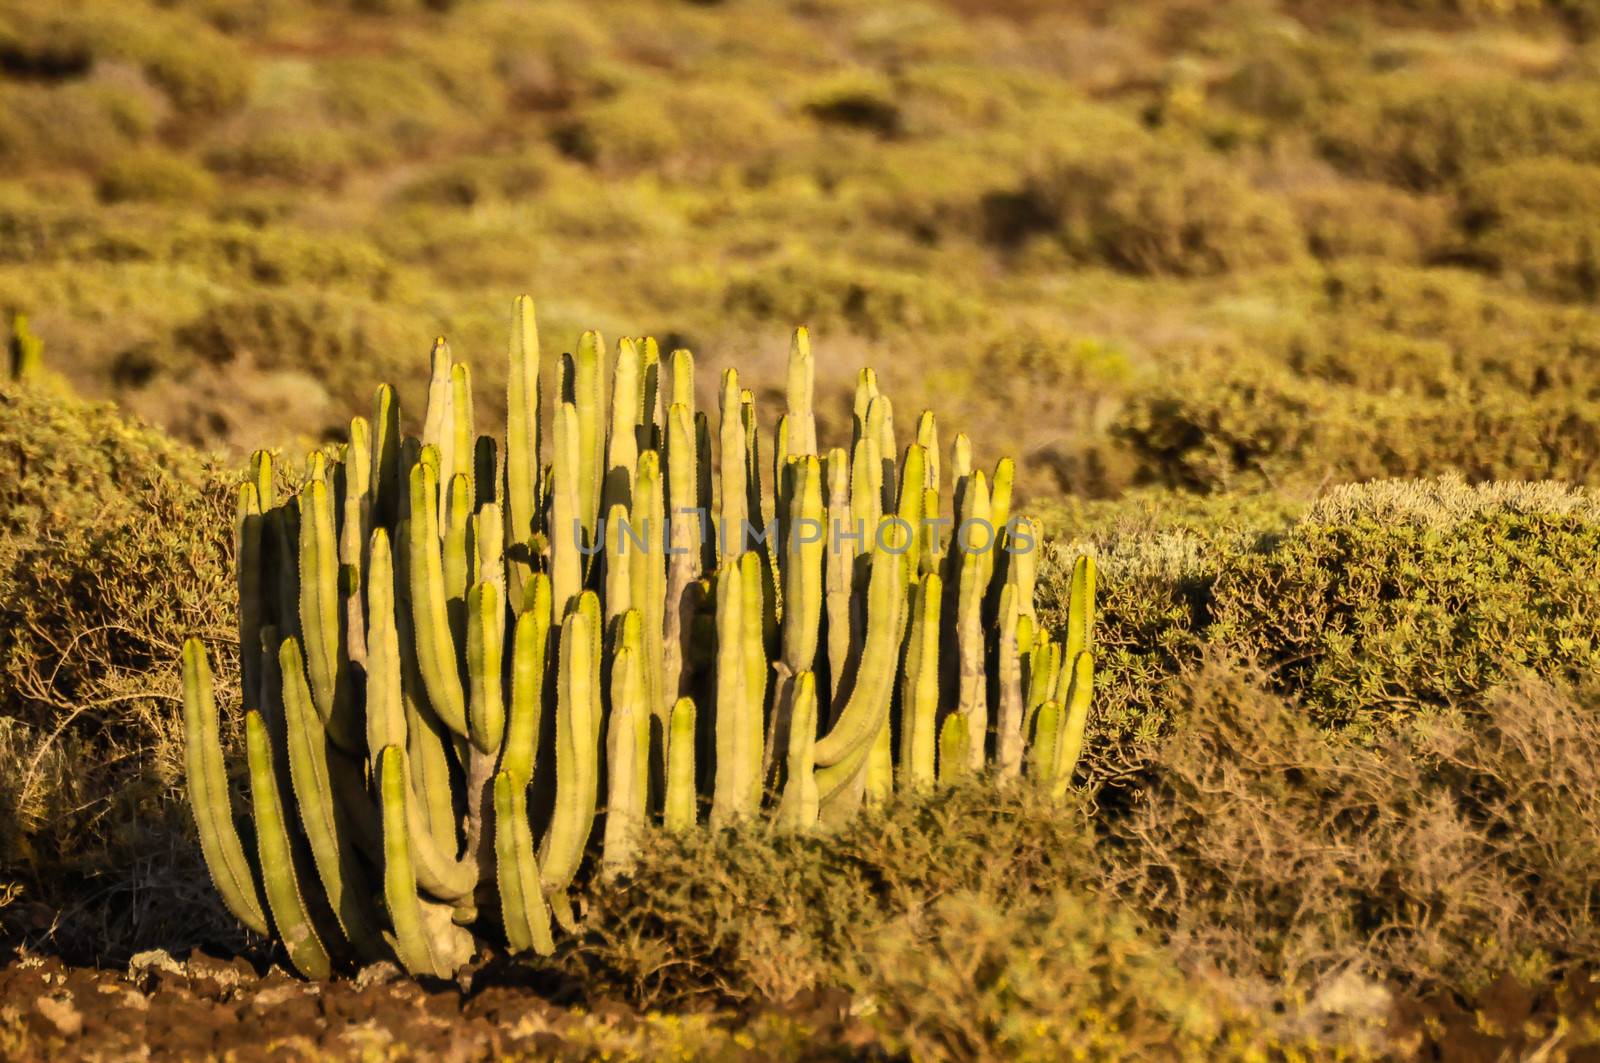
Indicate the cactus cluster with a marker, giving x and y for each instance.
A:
(466, 668)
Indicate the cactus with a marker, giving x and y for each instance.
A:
(27, 350)
(429, 636)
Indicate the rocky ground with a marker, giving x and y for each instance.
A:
(207, 1007)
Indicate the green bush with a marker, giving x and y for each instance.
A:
(203, 73)
(674, 128)
(1415, 131)
(477, 179)
(855, 100)
(342, 340)
(393, 102)
(1072, 384)
(1233, 420)
(1060, 978)
(1346, 219)
(1151, 616)
(1395, 598)
(1537, 220)
(277, 255)
(286, 148)
(1434, 332)
(1372, 604)
(1156, 209)
(78, 123)
(742, 915)
(830, 293)
(547, 56)
(114, 543)
(155, 177)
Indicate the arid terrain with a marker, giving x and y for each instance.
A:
(1287, 311)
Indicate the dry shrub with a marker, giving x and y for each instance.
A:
(741, 915)
(1153, 209)
(114, 546)
(1061, 977)
(1534, 220)
(1415, 131)
(1461, 849)
(1230, 420)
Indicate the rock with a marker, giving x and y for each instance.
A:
(154, 960)
(1353, 996)
(61, 1014)
(381, 973)
(225, 975)
(272, 996)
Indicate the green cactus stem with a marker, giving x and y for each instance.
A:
(27, 351)
(275, 853)
(522, 445)
(207, 779)
(679, 811)
(577, 776)
(530, 644)
(523, 912)
(919, 691)
(1069, 740)
(800, 804)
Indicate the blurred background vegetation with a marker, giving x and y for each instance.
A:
(1178, 242)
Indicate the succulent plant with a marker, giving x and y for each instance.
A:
(450, 648)
(27, 350)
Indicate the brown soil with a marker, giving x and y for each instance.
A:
(205, 1007)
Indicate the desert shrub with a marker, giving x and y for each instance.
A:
(1073, 385)
(44, 49)
(392, 101)
(285, 256)
(1394, 598)
(673, 128)
(1220, 420)
(1151, 615)
(285, 148)
(202, 72)
(547, 57)
(78, 123)
(1457, 851)
(741, 915)
(470, 181)
(300, 328)
(1537, 220)
(846, 294)
(1414, 131)
(1384, 328)
(155, 176)
(278, 255)
(114, 544)
(1344, 219)
(1284, 78)
(1371, 605)
(855, 100)
(1153, 208)
(1231, 421)
(1058, 978)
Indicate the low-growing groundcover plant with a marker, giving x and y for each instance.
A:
(547, 628)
